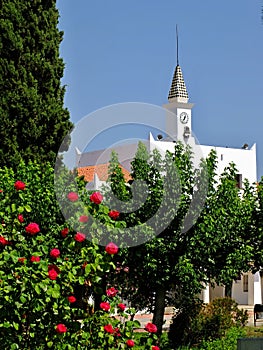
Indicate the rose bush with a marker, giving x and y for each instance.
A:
(45, 291)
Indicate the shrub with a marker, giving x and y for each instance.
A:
(48, 271)
(211, 321)
(228, 342)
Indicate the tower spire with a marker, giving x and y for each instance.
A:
(177, 47)
(178, 91)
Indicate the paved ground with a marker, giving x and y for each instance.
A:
(145, 318)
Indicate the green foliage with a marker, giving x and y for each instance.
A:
(116, 180)
(162, 192)
(228, 342)
(256, 235)
(223, 234)
(203, 323)
(33, 119)
(47, 274)
(204, 227)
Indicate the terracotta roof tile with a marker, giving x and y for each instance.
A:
(101, 170)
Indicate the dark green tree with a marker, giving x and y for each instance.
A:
(227, 221)
(256, 232)
(33, 120)
(202, 231)
(166, 187)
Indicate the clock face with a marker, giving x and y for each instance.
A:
(184, 117)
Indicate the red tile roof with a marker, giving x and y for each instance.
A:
(101, 170)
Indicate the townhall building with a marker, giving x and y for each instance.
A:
(248, 289)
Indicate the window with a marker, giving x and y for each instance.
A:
(238, 278)
(245, 283)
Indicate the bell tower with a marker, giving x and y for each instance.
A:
(179, 122)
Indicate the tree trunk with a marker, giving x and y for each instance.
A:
(159, 306)
(228, 290)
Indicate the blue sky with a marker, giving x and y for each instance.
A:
(119, 51)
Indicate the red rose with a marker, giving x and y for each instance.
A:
(22, 260)
(111, 248)
(3, 241)
(105, 306)
(130, 343)
(19, 185)
(96, 197)
(73, 196)
(53, 267)
(61, 328)
(20, 218)
(83, 218)
(114, 214)
(155, 347)
(109, 329)
(53, 271)
(151, 328)
(79, 237)
(54, 253)
(35, 258)
(111, 292)
(121, 306)
(32, 228)
(64, 232)
(72, 299)
(52, 274)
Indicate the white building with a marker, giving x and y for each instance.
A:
(248, 289)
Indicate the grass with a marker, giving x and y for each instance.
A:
(164, 344)
(254, 331)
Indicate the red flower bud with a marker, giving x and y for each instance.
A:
(111, 292)
(35, 258)
(64, 232)
(32, 228)
(114, 214)
(111, 248)
(96, 197)
(20, 218)
(105, 306)
(19, 185)
(61, 328)
(151, 328)
(54, 253)
(83, 218)
(121, 306)
(130, 343)
(79, 237)
(72, 299)
(109, 329)
(73, 196)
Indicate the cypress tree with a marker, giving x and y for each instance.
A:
(33, 120)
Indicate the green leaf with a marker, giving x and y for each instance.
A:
(16, 325)
(22, 299)
(37, 289)
(81, 280)
(55, 294)
(28, 208)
